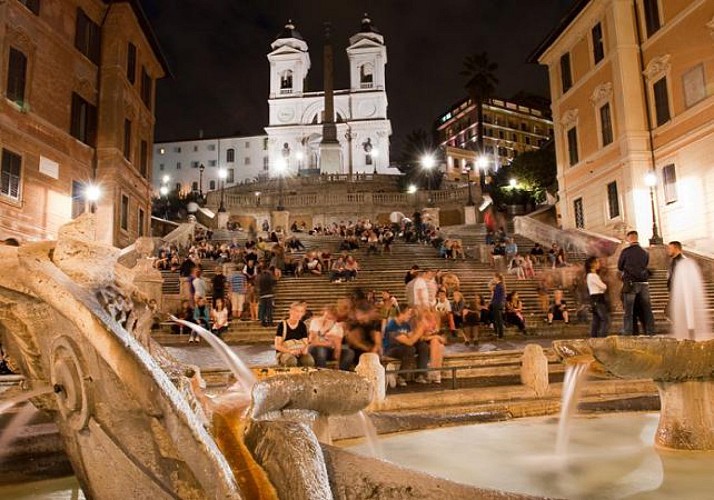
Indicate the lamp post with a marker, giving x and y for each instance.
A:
(375, 155)
(280, 167)
(201, 168)
(427, 163)
(350, 168)
(222, 175)
(164, 190)
(92, 193)
(257, 198)
(412, 189)
(469, 168)
(651, 182)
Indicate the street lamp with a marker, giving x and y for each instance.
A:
(201, 168)
(428, 162)
(257, 198)
(164, 190)
(222, 175)
(92, 193)
(513, 183)
(651, 182)
(375, 155)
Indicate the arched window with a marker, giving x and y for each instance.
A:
(230, 155)
(212, 185)
(286, 82)
(366, 76)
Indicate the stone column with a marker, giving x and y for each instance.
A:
(280, 219)
(371, 368)
(222, 219)
(534, 370)
(470, 215)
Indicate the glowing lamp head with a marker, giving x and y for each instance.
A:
(482, 162)
(223, 174)
(411, 189)
(257, 194)
(650, 179)
(281, 165)
(92, 192)
(428, 161)
(374, 152)
(513, 183)
(165, 179)
(164, 190)
(299, 155)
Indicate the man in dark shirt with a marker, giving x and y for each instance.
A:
(218, 283)
(674, 250)
(635, 284)
(266, 290)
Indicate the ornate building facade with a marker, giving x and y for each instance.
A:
(509, 128)
(77, 110)
(631, 85)
(295, 116)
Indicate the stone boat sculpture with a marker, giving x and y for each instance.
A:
(133, 420)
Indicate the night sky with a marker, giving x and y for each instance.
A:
(217, 52)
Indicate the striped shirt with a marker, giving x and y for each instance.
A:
(238, 282)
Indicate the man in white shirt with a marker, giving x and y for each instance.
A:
(423, 284)
(325, 341)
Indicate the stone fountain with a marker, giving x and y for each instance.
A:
(134, 421)
(682, 366)
(137, 424)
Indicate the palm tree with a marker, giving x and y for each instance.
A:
(481, 84)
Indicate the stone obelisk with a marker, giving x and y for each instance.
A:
(330, 150)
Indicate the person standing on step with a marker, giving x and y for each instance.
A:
(218, 283)
(266, 293)
(633, 264)
(599, 306)
(674, 251)
(498, 302)
(238, 283)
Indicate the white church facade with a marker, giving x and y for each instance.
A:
(292, 144)
(296, 116)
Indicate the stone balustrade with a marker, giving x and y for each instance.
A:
(339, 197)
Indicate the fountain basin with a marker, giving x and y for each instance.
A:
(683, 371)
(611, 458)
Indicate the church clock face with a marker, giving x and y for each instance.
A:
(367, 109)
(286, 115)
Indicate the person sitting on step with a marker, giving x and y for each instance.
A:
(291, 339)
(404, 343)
(514, 312)
(558, 310)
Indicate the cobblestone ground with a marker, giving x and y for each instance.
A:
(263, 354)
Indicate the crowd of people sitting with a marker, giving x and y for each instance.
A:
(436, 312)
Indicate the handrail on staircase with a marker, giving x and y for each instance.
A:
(573, 240)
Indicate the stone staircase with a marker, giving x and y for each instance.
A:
(380, 272)
(386, 272)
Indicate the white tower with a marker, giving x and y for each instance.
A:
(368, 56)
(370, 130)
(289, 63)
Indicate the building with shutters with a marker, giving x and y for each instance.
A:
(77, 109)
(633, 107)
